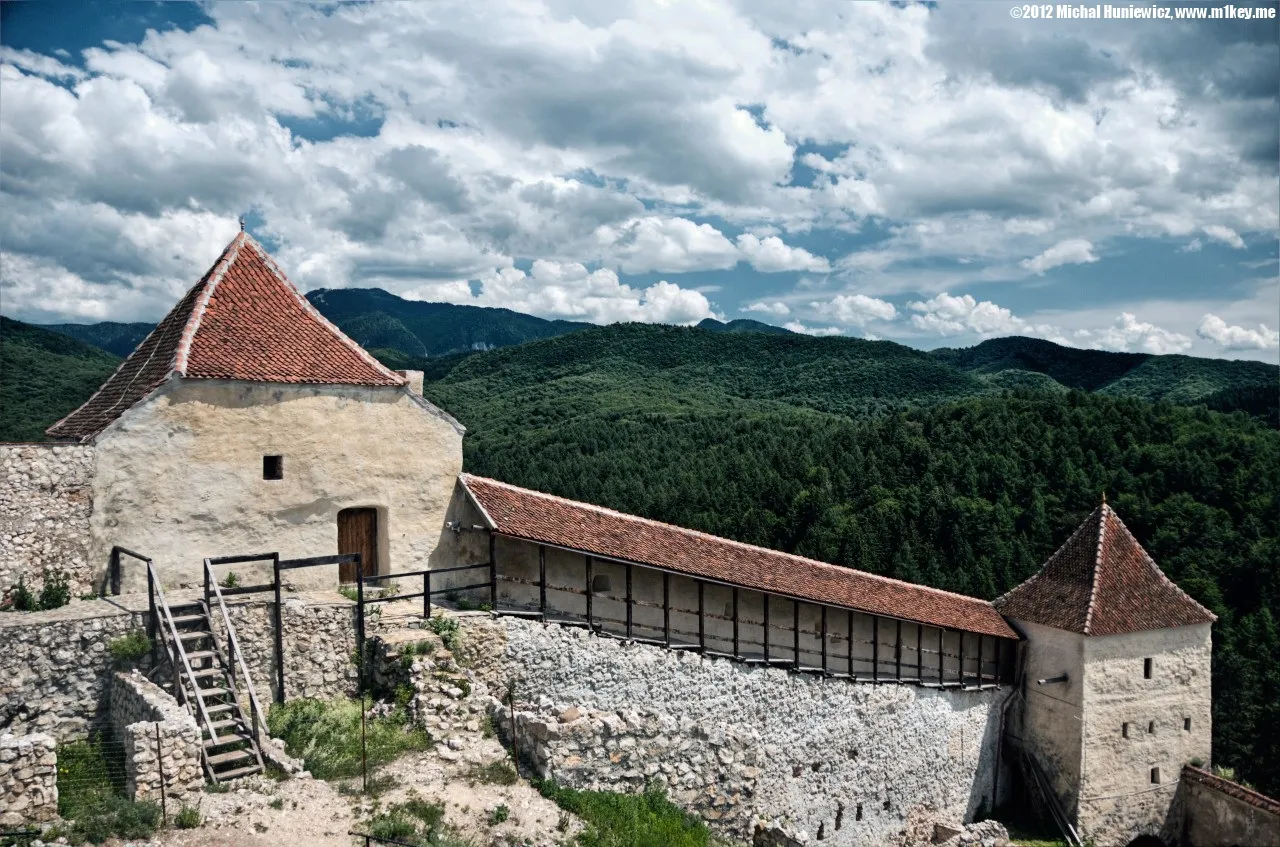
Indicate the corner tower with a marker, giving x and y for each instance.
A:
(1116, 690)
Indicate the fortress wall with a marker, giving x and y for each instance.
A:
(45, 502)
(740, 743)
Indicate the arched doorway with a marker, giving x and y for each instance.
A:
(1146, 841)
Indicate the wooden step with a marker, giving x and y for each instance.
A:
(212, 692)
(217, 725)
(219, 707)
(239, 772)
(202, 654)
(233, 756)
(180, 620)
(193, 634)
(208, 673)
(230, 738)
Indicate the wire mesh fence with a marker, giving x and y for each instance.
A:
(94, 790)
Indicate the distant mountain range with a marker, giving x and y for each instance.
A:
(841, 375)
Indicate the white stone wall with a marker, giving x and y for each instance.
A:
(45, 501)
(161, 740)
(54, 666)
(179, 477)
(28, 780)
(740, 743)
(1047, 721)
(1119, 800)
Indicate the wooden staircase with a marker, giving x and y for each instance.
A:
(209, 678)
(206, 680)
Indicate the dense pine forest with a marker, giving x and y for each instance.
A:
(962, 469)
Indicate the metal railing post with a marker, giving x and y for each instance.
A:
(360, 657)
(426, 595)
(275, 568)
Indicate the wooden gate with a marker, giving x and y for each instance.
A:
(358, 533)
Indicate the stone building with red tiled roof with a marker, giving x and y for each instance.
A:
(247, 422)
(1117, 694)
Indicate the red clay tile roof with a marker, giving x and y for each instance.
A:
(242, 320)
(1101, 582)
(546, 519)
(1231, 789)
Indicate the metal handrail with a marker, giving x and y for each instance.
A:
(234, 645)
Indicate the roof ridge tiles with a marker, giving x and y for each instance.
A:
(826, 568)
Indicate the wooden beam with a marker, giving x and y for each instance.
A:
(702, 620)
(824, 639)
(897, 653)
(493, 572)
(589, 575)
(765, 595)
(735, 623)
(998, 640)
(795, 628)
(962, 658)
(542, 580)
(920, 653)
(629, 602)
(666, 608)
(941, 664)
(875, 648)
(852, 675)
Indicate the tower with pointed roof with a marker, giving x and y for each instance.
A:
(247, 422)
(1116, 694)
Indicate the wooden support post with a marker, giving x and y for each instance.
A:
(897, 653)
(279, 621)
(702, 620)
(961, 658)
(942, 680)
(795, 629)
(766, 627)
(426, 595)
(735, 622)
(920, 653)
(493, 572)
(542, 580)
(979, 660)
(360, 651)
(666, 608)
(875, 649)
(998, 640)
(589, 575)
(852, 675)
(824, 640)
(629, 602)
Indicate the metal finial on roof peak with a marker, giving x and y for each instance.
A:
(1104, 498)
(242, 223)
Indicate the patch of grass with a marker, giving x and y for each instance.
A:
(628, 820)
(325, 734)
(487, 729)
(416, 822)
(189, 817)
(494, 773)
(349, 592)
(129, 648)
(448, 630)
(216, 787)
(277, 803)
(231, 580)
(90, 787)
(55, 593)
(500, 814)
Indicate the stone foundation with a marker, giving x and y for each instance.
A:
(28, 780)
(740, 744)
(161, 740)
(45, 501)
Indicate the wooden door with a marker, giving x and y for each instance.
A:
(358, 533)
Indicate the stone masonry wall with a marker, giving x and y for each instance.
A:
(45, 502)
(54, 667)
(28, 780)
(161, 740)
(1221, 813)
(739, 744)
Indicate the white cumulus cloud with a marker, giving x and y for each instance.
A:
(1230, 337)
(771, 255)
(1129, 333)
(948, 315)
(856, 309)
(1073, 251)
(775, 308)
(665, 245)
(1225, 234)
(797, 326)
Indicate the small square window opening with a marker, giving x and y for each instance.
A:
(1186, 724)
(1146, 668)
(1155, 776)
(1124, 729)
(273, 467)
(1151, 727)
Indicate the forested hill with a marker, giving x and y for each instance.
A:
(761, 438)
(118, 339)
(43, 376)
(378, 319)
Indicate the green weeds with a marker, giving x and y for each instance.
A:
(325, 734)
(628, 820)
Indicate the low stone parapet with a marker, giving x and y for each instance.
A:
(161, 739)
(28, 779)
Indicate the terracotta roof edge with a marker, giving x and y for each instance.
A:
(1160, 573)
(192, 326)
(315, 315)
(1097, 563)
(462, 478)
(1232, 789)
(1035, 576)
(837, 569)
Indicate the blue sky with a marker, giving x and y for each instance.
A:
(931, 174)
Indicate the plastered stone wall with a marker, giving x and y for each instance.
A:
(1220, 813)
(45, 503)
(161, 740)
(741, 744)
(28, 779)
(54, 666)
(179, 477)
(1170, 722)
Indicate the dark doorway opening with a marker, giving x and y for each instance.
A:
(1146, 841)
(358, 533)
